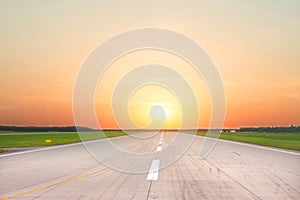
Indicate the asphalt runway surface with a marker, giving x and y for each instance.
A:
(231, 171)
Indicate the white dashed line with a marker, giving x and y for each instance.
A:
(153, 171)
(158, 148)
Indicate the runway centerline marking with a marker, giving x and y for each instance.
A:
(160, 143)
(158, 149)
(153, 171)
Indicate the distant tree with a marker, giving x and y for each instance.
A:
(44, 129)
(279, 129)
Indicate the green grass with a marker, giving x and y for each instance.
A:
(18, 139)
(281, 140)
(14, 139)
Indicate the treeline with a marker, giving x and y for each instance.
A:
(45, 129)
(290, 129)
(279, 129)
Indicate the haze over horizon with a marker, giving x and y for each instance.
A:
(254, 45)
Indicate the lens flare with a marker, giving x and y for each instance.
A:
(147, 109)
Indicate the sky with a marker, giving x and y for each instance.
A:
(255, 46)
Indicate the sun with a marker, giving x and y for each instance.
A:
(154, 106)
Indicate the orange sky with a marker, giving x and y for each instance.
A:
(255, 47)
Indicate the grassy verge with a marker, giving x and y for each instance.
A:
(13, 139)
(281, 140)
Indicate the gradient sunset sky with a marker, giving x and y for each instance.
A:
(254, 44)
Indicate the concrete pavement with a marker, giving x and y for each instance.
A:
(231, 171)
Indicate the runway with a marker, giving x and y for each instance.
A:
(231, 171)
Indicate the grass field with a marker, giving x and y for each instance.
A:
(281, 140)
(13, 139)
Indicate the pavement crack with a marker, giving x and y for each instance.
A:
(241, 185)
(278, 185)
(148, 193)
